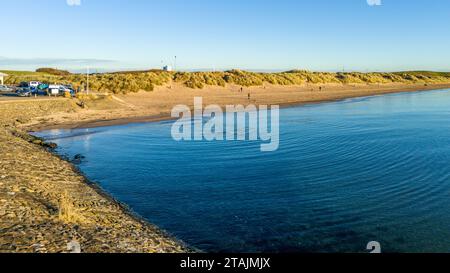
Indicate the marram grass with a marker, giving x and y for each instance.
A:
(128, 82)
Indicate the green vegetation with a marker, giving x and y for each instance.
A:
(134, 81)
(429, 74)
(299, 77)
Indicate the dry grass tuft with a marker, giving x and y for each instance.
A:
(68, 213)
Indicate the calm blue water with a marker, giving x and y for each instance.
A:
(346, 173)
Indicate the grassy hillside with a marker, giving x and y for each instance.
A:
(23, 73)
(425, 73)
(133, 81)
(53, 71)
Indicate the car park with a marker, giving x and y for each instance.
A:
(35, 88)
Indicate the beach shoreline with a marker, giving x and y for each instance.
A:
(47, 205)
(119, 119)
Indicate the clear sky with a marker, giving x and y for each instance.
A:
(327, 35)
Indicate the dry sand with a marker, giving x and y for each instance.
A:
(157, 105)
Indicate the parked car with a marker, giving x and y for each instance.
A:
(42, 86)
(23, 85)
(4, 88)
(24, 92)
(68, 88)
(60, 89)
(39, 92)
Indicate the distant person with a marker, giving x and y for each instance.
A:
(248, 96)
(242, 89)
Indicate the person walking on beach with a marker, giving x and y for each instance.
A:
(248, 96)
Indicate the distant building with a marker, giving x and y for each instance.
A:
(2, 76)
(167, 68)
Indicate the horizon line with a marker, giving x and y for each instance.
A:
(193, 70)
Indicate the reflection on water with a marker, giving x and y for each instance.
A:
(346, 173)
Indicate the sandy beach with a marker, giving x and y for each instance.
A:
(45, 203)
(157, 105)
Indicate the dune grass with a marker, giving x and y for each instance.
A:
(299, 77)
(134, 81)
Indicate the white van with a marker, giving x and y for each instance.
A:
(34, 84)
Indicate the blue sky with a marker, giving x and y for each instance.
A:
(327, 35)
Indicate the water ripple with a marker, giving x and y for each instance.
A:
(346, 173)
